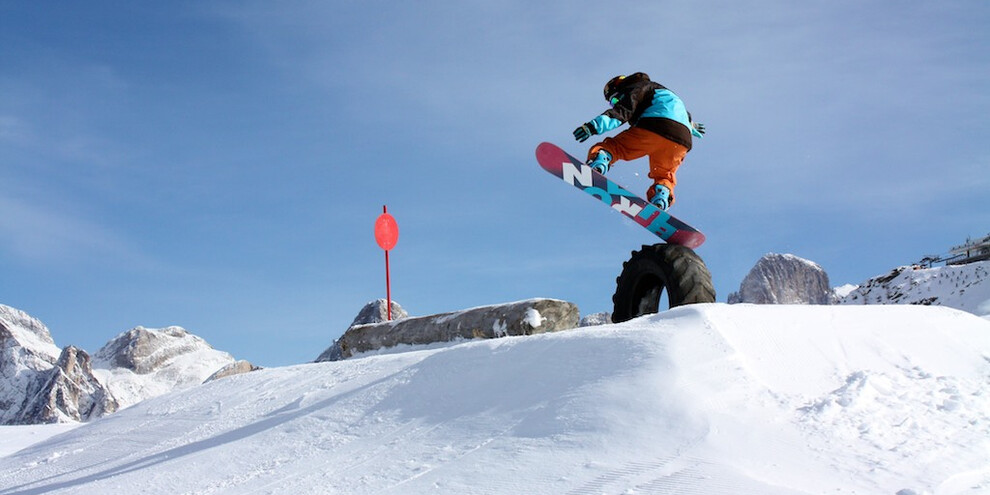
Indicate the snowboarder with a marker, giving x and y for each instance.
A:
(659, 126)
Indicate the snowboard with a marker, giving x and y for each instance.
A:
(576, 173)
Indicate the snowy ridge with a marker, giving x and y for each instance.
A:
(30, 332)
(797, 259)
(965, 287)
(713, 399)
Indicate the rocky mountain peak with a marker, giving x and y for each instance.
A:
(27, 352)
(13, 320)
(784, 279)
(25, 340)
(147, 362)
(69, 392)
(40, 383)
(144, 350)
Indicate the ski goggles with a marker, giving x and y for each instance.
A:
(613, 99)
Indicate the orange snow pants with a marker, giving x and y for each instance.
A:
(665, 155)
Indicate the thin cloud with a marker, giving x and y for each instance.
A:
(40, 234)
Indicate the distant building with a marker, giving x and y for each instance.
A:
(972, 250)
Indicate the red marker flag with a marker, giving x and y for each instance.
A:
(387, 234)
(386, 230)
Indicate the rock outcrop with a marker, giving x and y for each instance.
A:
(235, 368)
(518, 318)
(374, 312)
(377, 312)
(27, 353)
(145, 362)
(71, 392)
(784, 279)
(595, 319)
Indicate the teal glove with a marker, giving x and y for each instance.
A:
(584, 132)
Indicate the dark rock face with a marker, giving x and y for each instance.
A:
(784, 279)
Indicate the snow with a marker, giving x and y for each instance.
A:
(533, 318)
(27, 351)
(798, 259)
(844, 290)
(18, 437)
(170, 359)
(31, 335)
(179, 371)
(500, 328)
(965, 287)
(702, 399)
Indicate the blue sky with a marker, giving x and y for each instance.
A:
(220, 165)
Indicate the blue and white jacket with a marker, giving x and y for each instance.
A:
(650, 106)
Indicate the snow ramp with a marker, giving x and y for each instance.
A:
(711, 399)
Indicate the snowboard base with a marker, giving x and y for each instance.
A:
(576, 173)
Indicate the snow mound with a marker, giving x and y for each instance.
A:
(713, 399)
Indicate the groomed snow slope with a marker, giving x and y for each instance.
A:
(711, 399)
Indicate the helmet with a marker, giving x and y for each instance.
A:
(612, 86)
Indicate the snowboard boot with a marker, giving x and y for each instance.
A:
(601, 162)
(659, 195)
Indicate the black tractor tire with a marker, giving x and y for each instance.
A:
(652, 269)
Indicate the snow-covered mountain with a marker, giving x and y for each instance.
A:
(789, 279)
(40, 383)
(143, 363)
(713, 399)
(784, 279)
(965, 287)
(69, 391)
(27, 354)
